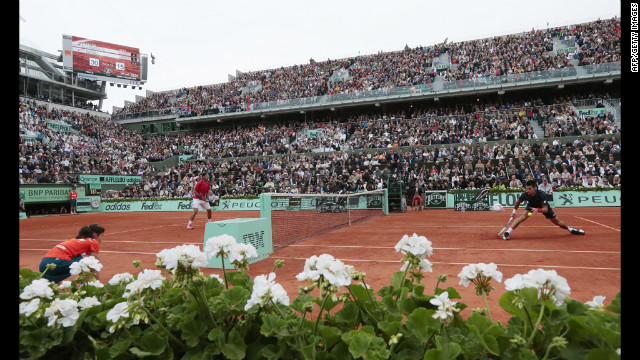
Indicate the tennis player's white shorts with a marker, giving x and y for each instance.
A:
(197, 203)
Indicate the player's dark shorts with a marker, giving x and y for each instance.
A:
(549, 215)
(74, 202)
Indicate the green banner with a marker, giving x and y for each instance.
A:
(48, 193)
(559, 199)
(435, 199)
(591, 112)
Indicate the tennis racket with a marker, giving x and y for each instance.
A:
(507, 225)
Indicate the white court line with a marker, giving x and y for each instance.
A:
(609, 227)
(476, 249)
(122, 241)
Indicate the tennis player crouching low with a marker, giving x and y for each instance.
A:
(536, 203)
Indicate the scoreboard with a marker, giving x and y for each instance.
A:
(99, 60)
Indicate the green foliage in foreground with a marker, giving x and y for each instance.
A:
(188, 315)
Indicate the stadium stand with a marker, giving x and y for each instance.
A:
(463, 141)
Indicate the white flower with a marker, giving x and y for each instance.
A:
(217, 277)
(65, 285)
(88, 302)
(333, 270)
(216, 244)
(445, 306)
(189, 256)
(122, 278)
(475, 271)
(62, 311)
(118, 311)
(425, 265)
(95, 283)
(28, 308)
(597, 302)
(85, 265)
(416, 245)
(515, 283)
(147, 279)
(37, 288)
(240, 251)
(549, 284)
(266, 290)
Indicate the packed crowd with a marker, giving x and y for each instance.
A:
(594, 43)
(362, 152)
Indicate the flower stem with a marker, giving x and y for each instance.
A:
(171, 336)
(224, 273)
(535, 329)
(320, 313)
(486, 304)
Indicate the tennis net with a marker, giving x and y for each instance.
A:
(297, 217)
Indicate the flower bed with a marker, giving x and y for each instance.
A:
(177, 312)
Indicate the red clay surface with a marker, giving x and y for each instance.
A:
(590, 263)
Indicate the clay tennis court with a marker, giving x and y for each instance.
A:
(590, 263)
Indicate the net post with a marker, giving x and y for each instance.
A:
(265, 207)
(385, 202)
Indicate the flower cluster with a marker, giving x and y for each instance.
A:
(85, 265)
(181, 260)
(549, 284)
(147, 279)
(416, 249)
(328, 272)
(225, 246)
(446, 307)
(480, 275)
(266, 292)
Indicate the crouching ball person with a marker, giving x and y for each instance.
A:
(537, 202)
(86, 243)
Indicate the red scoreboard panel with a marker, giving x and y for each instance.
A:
(100, 58)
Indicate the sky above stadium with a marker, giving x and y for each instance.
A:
(202, 42)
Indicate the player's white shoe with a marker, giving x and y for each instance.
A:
(577, 231)
(505, 235)
(189, 227)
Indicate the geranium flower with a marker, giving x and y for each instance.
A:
(549, 284)
(28, 308)
(63, 312)
(597, 302)
(266, 290)
(119, 279)
(445, 306)
(219, 244)
(415, 245)
(38, 288)
(88, 302)
(85, 265)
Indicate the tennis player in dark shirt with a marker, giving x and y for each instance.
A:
(536, 203)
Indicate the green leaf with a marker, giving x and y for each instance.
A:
(193, 331)
(152, 343)
(391, 324)
(422, 324)
(615, 305)
(602, 354)
(330, 336)
(349, 316)
(235, 347)
(273, 325)
(485, 331)
(445, 350)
